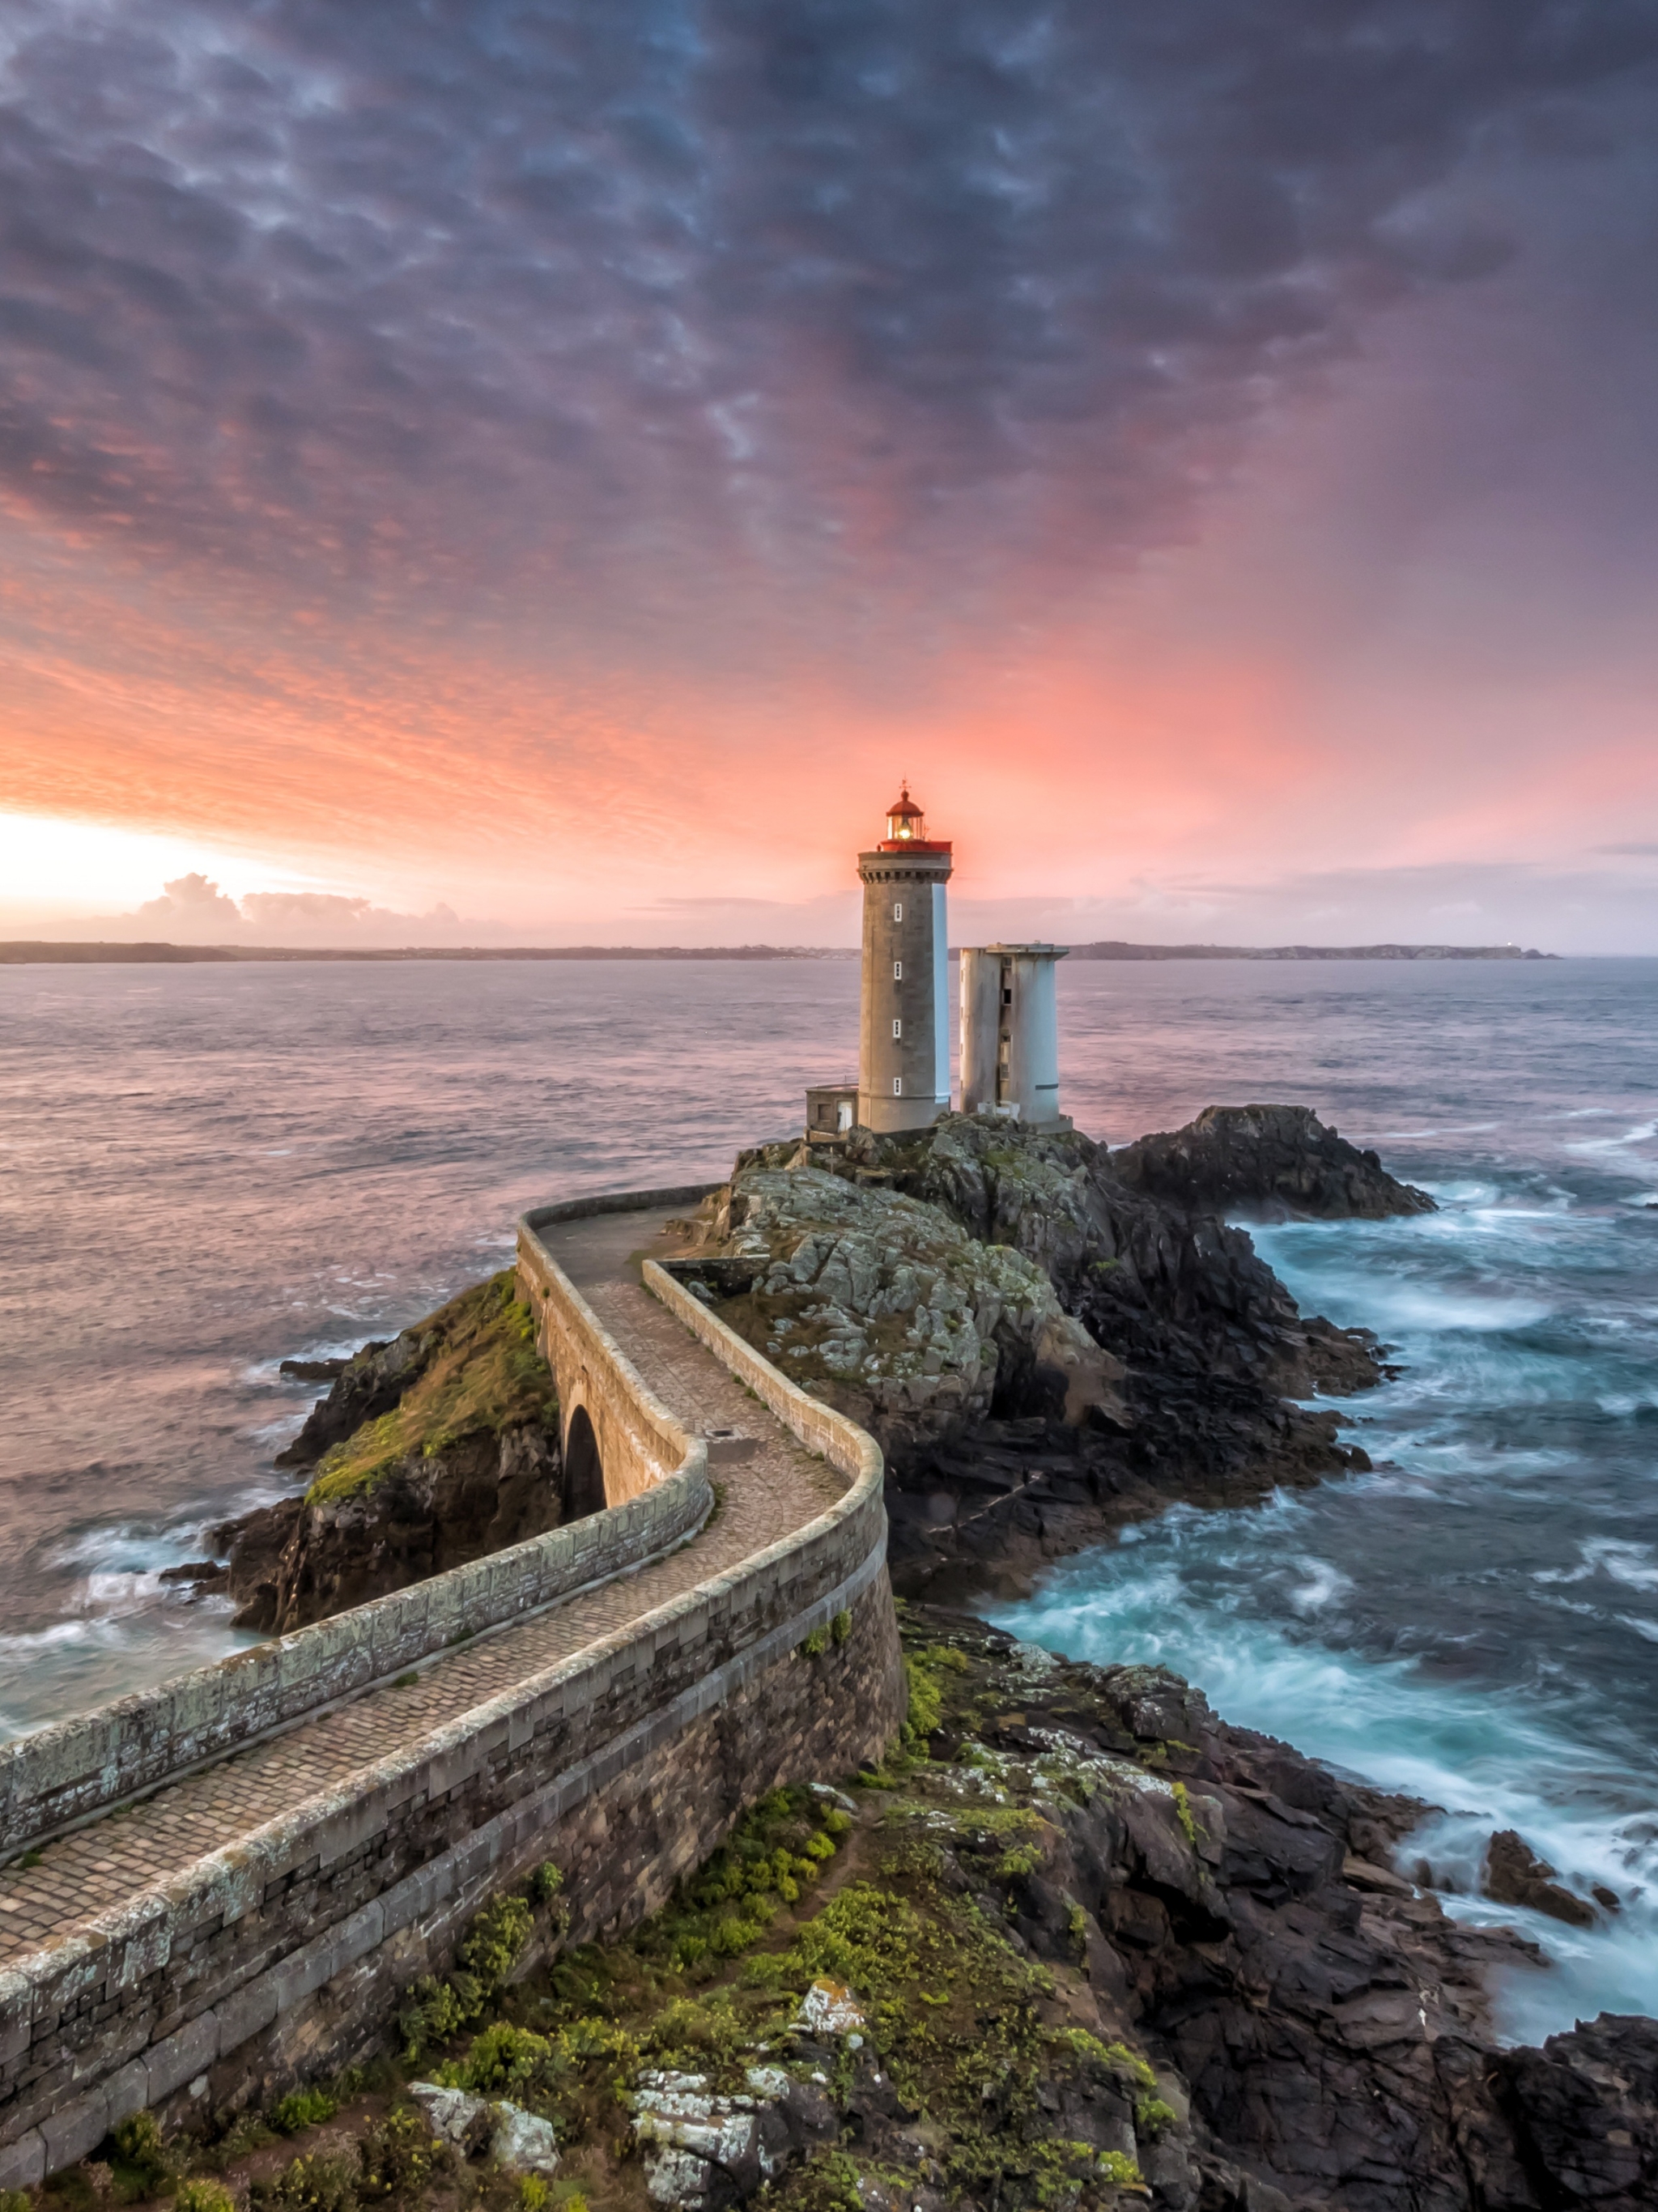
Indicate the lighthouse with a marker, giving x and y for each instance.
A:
(903, 1058)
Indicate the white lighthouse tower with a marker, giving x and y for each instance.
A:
(903, 1059)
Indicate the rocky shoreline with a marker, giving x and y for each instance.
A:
(1048, 1338)
(1074, 1945)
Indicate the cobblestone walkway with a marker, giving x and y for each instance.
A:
(779, 1486)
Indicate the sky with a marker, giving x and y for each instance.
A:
(491, 471)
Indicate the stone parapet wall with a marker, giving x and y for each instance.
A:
(66, 1773)
(847, 1447)
(639, 1441)
(280, 1954)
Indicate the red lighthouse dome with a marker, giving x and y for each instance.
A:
(907, 828)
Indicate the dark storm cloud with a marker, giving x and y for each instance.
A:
(422, 297)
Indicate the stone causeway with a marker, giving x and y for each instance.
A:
(214, 1891)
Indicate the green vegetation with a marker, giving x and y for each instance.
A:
(304, 2108)
(482, 1375)
(439, 2010)
(1152, 2115)
(141, 2165)
(202, 2195)
(924, 1671)
(1185, 1815)
(324, 2182)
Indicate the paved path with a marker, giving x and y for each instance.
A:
(779, 1486)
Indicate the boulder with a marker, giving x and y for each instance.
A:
(464, 2122)
(1514, 1874)
(701, 2150)
(519, 2141)
(1586, 2107)
(1279, 1162)
(522, 2143)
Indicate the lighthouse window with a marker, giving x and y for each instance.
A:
(898, 1086)
(897, 1028)
(898, 912)
(897, 971)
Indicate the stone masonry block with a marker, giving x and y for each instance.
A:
(246, 2011)
(191, 2051)
(23, 2163)
(145, 1950)
(347, 1832)
(69, 2134)
(127, 2091)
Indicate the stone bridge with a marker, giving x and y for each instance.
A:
(214, 1890)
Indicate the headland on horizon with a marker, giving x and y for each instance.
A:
(27, 951)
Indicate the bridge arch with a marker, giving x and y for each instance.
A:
(584, 1470)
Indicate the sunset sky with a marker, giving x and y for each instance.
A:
(499, 470)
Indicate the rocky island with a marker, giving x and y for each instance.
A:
(1047, 1339)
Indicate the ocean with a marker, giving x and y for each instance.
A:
(204, 1171)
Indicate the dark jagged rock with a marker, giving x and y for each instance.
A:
(1514, 1874)
(1280, 1162)
(368, 1384)
(306, 1559)
(1584, 2109)
(312, 1370)
(254, 1544)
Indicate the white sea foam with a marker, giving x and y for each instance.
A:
(1496, 1761)
(1640, 1135)
(1325, 1583)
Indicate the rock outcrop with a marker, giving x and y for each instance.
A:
(1280, 1163)
(1042, 1350)
(429, 1451)
(307, 1559)
(1584, 2111)
(1514, 1874)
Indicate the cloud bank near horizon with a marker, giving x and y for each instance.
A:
(1580, 911)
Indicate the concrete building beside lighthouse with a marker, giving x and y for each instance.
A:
(903, 1056)
(1011, 1033)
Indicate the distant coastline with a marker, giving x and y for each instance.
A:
(21, 953)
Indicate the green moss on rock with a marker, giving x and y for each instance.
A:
(482, 1375)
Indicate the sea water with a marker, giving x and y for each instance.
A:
(204, 1171)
